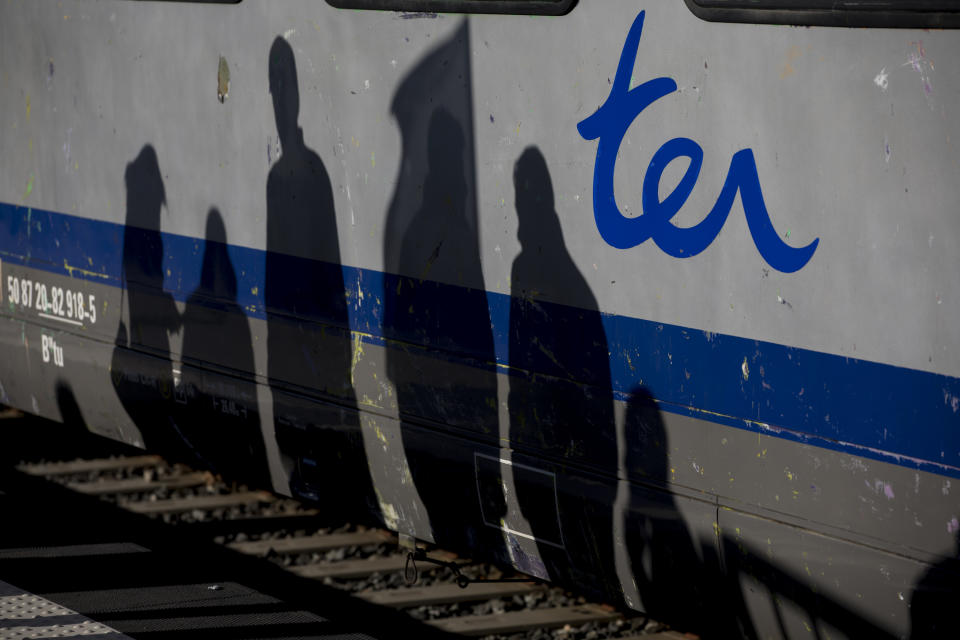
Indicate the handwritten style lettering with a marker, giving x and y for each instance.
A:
(609, 126)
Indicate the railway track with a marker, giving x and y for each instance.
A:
(366, 562)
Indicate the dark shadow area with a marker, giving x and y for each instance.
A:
(218, 416)
(29, 438)
(204, 419)
(70, 413)
(660, 547)
(145, 385)
(560, 402)
(308, 340)
(253, 526)
(436, 316)
(704, 587)
(935, 598)
(748, 566)
(150, 579)
(673, 573)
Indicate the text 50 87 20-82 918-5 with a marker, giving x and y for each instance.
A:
(55, 303)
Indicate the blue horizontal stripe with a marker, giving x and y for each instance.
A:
(870, 409)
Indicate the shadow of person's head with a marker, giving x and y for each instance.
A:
(533, 197)
(284, 91)
(145, 192)
(217, 276)
(531, 181)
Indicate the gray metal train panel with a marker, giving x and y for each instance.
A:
(623, 297)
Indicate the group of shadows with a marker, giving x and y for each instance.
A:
(560, 404)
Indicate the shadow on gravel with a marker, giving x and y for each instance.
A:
(151, 580)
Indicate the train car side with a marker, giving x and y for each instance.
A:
(627, 299)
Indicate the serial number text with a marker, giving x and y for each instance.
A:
(55, 303)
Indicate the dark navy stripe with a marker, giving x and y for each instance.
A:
(870, 409)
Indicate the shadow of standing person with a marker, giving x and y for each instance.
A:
(219, 418)
(441, 240)
(675, 574)
(665, 564)
(143, 384)
(436, 316)
(308, 341)
(560, 400)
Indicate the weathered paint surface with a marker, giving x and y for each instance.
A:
(449, 294)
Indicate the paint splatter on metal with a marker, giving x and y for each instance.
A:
(29, 189)
(882, 79)
(223, 80)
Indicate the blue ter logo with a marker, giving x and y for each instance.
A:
(610, 123)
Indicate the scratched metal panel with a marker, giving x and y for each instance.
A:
(793, 396)
(680, 456)
(894, 100)
(856, 133)
(860, 592)
(871, 502)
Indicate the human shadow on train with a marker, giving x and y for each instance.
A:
(677, 573)
(934, 600)
(560, 401)
(674, 572)
(144, 383)
(217, 414)
(308, 342)
(779, 594)
(440, 355)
